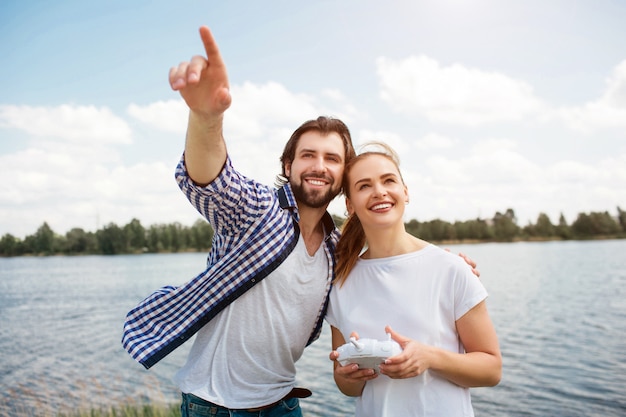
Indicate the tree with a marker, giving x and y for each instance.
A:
(202, 234)
(135, 236)
(153, 239)
(9, 245)
(479, 229)
(621, 219)
(582, 226)
(462, 230)
(111, 239)
(544, 226)
(505, 226)
(176, 236)
(594, 224)
(563, 230)
(44, 240)
(438, 230)
(413, 227)
(604, 223)
(78, 241)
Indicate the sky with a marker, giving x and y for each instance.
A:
(491, 104)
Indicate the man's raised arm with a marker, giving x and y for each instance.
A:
(203, 84)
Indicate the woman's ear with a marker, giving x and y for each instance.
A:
(349, 207)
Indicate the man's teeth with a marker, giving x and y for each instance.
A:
(317, 182)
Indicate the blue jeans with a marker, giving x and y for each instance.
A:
(193, 406)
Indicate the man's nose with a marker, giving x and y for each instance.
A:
(319, 165)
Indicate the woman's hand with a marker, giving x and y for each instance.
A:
(413, 361)
(349, 378)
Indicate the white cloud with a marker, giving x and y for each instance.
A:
(493, 161)
(607, 112)
(495, 176)
(169, 116)
(399, 144)
(454, 94)
(258, 109)
(593, 116)
(341, 103)
(570, 172)
(615, 93)
(457, 95)
(78, 124)
(434, 140)
(57, 186)
(70, 173)
(615, 166)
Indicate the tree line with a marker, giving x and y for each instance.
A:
(111, 240)
(135, 238)
(503, 227)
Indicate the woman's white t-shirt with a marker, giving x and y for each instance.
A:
(420, 295)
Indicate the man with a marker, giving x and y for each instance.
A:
(263, 296)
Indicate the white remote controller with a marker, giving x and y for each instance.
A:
(367, 353)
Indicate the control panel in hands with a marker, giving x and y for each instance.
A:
(367, 353)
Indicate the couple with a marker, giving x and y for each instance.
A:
(265, 292)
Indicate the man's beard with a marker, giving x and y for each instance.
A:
(314, 198)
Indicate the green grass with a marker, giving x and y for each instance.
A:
(90, 398)
(130, 410)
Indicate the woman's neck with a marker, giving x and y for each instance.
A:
(387, 242)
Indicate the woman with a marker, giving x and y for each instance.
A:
(428, 300)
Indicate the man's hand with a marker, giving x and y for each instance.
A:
(203, 82)
(469, 261)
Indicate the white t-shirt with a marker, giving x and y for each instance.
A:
(245, 356)
(420, 295)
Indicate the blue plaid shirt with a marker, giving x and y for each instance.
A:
(256, 228)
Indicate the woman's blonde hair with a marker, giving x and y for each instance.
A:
(352, 239)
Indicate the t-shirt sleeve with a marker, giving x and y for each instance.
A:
(469, 291)
(330, 311)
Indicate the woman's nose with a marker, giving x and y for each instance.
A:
(379, 190)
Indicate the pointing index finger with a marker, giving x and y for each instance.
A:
(210, 46)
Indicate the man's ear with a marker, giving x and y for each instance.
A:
(287, 169)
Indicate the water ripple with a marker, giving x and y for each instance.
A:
(559, 309)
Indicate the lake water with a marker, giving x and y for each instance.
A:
(559, 309)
